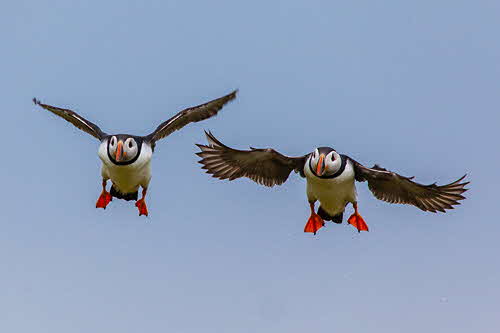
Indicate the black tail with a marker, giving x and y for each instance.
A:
(125, 196)
(327, 217)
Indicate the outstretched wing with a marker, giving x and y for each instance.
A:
(264, 166)
(391, 187)
(75, 119)
(190, 115)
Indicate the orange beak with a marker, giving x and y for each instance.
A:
(320, 168)
(119, 151)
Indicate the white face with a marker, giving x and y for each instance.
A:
(112, 146)
(130, 149)
(325, 164)
(122, 151)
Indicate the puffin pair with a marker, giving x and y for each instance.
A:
(126, 159)
(330, 178)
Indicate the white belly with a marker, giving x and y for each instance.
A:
(127, 178)
(332, 193)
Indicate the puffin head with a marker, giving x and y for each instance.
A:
(123, 149)
(324, 161)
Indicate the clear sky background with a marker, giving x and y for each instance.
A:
(411, 85)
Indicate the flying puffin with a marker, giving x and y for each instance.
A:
(330, 180)
(126, 159)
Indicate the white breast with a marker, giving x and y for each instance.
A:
(332, 193)
(127, 178)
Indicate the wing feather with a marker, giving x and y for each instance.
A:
(394, 188)
(190, 115)
(263, 166)
(75, 119)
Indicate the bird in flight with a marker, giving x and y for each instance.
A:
(126, 158)
(330, 180)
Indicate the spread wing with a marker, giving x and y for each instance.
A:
(391, 187)
(263, 166)
(75, 119)
(190, 115)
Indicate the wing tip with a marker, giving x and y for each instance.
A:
(233, 93)
(208, 133)
(461, 184)
(213, 141)
(227, 98)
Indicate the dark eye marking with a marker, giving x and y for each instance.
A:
(130, 144)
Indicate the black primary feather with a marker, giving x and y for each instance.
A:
(264, 166)
(394, 188)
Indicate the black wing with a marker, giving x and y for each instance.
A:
(391, 187)
(75, 119)
(264, 166)
(190, 115)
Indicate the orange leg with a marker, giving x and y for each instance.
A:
(315, 222)
(141, 204)
(356, 220)
(105, 198)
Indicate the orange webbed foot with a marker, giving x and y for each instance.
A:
(357, 221)
(314, 223)
(141, 205)
(103, 200)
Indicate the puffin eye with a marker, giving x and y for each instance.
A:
(113, 141)
(130, 144)
(333, 157)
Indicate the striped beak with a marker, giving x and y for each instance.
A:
(119, 151)
(320, 168)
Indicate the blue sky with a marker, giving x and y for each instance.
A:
(413, 86)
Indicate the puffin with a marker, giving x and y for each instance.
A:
(330, 178)
(126, 158)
